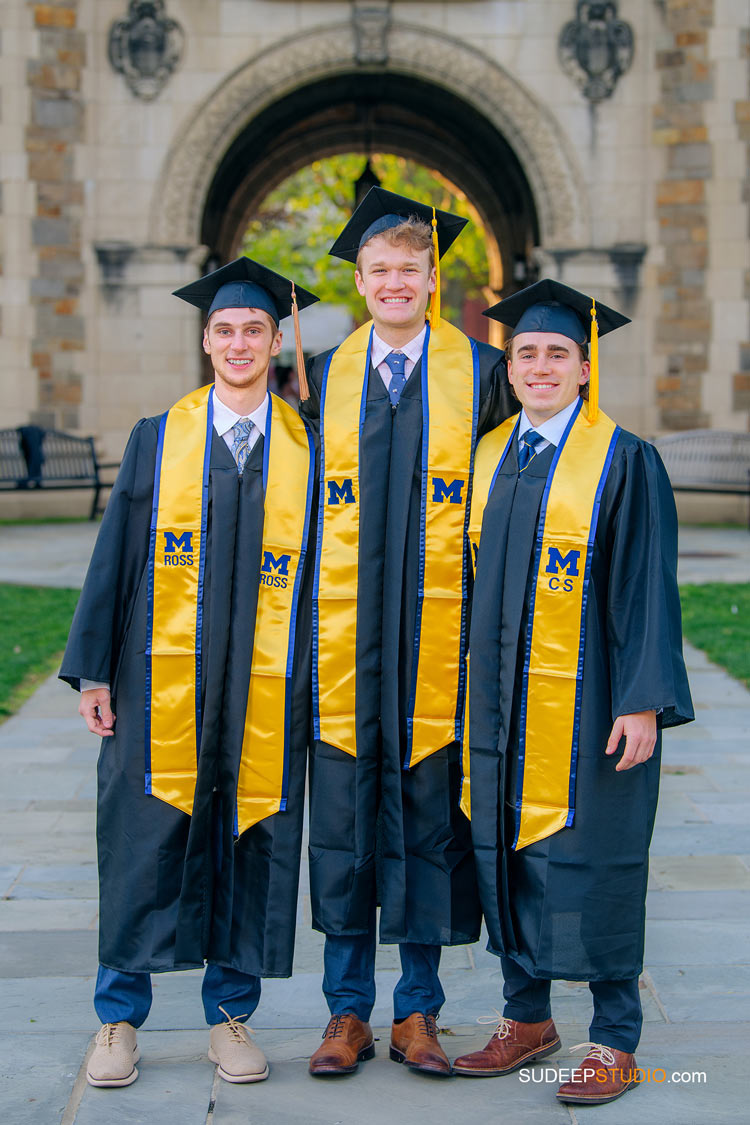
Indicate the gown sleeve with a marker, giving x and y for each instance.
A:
(116, 568)
(644, 623)
(497, 401)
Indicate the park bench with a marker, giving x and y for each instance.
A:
(707, 461)
(34, 458)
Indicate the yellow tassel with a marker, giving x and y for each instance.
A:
(594, 376)
(304, 390)
(434, 313)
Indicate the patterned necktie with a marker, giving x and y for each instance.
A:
(528, 450)
(397, 363)
(241, 429)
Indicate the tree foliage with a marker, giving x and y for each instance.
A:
(301, 218)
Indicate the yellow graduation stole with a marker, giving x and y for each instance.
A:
(553, 669)
(450, 382)
(175, 607)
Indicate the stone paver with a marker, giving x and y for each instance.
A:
(696, 987)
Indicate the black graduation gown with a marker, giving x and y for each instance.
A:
(175, 889)
(572, 906)
(371, 821)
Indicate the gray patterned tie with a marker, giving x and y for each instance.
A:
(241, 429)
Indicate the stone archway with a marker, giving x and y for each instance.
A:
(430, 59)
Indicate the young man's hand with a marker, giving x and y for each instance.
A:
(639, 731)
(97, 712)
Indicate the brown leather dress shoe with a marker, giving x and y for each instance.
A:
(512, 1046)
(346, 1043)
(605, 1074)
(414, 1042)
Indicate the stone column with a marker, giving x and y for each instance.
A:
(146, 347)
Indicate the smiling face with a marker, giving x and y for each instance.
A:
(240, 343)
(396, 282)
(545, 372)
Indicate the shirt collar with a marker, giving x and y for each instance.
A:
(225, 417)
(412, 350)
(553, 429)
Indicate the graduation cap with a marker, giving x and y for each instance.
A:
(550, 306)
(382, 210)
(245, 284)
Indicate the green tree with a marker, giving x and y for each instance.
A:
(301, 218)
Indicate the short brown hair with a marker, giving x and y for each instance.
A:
(583, 390)
(412, 232)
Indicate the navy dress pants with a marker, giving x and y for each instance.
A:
(349, 977)
(617, 1006)
(127, 996)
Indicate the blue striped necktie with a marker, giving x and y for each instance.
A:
(528, 451)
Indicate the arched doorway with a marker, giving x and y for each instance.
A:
(374, 112)
(434, 98)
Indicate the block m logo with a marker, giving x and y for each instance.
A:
(340, 493)
(442, 491)
(557, 562)
(273, 565)
(173, 542)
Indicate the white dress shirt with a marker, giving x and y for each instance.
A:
(412, 351)
(552, 430)
(224, 420)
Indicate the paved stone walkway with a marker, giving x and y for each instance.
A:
(696, 987)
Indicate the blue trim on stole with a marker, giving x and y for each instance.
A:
(584, 602)
(530, 625)
(503, 455)
(530, 622)
(150, 599)
(422, 522)
(463, 640)
(293, 623)
(319, 537)
(318, 541)
(202, 572)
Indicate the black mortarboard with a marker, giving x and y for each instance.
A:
(550, 306)
(245, 284)
(380, 210)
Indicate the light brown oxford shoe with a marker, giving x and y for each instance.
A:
(605, 1074)
(347, 1042)
(414, 1042)
(513, 1045)
(114, 1057)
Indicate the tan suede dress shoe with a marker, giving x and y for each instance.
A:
(605, 1074)
(237, 1057)
(114, 1057)
(347, 1042)
(512, 1046)
(414, 1042)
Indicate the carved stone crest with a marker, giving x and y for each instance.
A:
(146, 47)
(596, 48)
(371, 22)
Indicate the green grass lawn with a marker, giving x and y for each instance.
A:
(34, 624)
(716, 619)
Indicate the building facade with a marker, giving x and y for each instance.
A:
(605, 144)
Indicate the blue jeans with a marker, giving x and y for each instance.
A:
(617, 1006)
(127, 996)
(349, 977)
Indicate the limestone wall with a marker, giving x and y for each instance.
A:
(642, 197)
